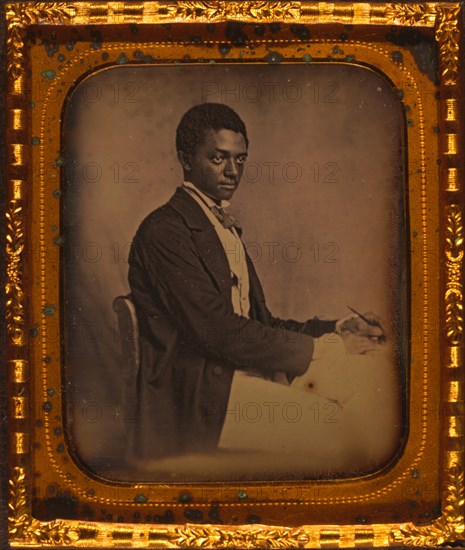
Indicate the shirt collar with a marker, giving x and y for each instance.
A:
(206, 199)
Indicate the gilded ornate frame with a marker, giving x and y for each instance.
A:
(444, 20)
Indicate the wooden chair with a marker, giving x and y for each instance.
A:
(130, 359)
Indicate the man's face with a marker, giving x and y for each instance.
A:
(216, 167)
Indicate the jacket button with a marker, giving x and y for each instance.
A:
(217, 370)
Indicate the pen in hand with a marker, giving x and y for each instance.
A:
(370, 322)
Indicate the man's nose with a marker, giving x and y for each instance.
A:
(231, 168)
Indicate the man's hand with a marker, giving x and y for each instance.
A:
(360, 336)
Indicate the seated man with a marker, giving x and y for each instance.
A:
(200, 305)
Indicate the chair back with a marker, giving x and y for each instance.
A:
(130, 359)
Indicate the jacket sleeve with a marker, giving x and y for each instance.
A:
(313, 327)
(164, 258)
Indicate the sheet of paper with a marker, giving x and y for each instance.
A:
(342, 415)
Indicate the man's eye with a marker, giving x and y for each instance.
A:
(241, 160)
(216, 159)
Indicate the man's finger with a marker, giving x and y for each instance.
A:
(365, 329)
(373, 318)
(374, 331)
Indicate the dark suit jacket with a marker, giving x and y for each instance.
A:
(191, 341)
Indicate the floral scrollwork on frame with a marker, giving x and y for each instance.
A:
(23, 526)
(447, 34)
(197, 536)
(18, 516)
(14, 290)
(18, 17)
(212, 11)
(448, 528)
(410, 14)
(454, 258)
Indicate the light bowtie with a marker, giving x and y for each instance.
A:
(225, 219)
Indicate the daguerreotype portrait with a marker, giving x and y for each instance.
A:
(234, 281)
(215, 377)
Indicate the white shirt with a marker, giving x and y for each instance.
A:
(233, 248)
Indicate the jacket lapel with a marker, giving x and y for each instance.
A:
(205, 238)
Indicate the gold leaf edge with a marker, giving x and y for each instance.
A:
(404, 14)
(447, 528)
(25, 529)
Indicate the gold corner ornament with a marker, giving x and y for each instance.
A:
(454, 259)
(447, 528)
(24, 528)
(18, 17)
(13, 287)
(445, 19)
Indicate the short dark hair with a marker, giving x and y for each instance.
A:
(198, 120)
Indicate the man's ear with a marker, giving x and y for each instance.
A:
(185, 160)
